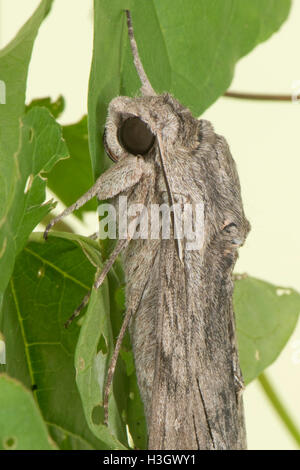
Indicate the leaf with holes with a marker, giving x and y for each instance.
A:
(21, 424)
(266, 316)
(128, 395)
(14, 61)
(41, 146)
(71, 177)
(49, 281)
(93, 351)
(55, 107)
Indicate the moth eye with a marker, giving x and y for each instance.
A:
(106, 148)
(135, 136)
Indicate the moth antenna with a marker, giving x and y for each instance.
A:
(177, 241)
(146, 89)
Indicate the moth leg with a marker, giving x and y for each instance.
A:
(117, 250)
(119, 247)
(111, 370)
(122, 176)
(233, 233)
(130, 312)
(238, 378)
(113, 362)
(236, 369)
(94, 236)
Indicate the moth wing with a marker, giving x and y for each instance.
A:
(194, 379)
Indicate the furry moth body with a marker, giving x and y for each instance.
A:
(179, 302)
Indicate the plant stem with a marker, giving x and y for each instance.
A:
(279, 407)
(260, 96)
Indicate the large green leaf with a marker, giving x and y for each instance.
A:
(71, 177)
(21, 424)
(266, 316)
(188, 49)
(132, 404)
(14, 61)
(95, 346)
(92, 359)
(49, 281)
(41, 146)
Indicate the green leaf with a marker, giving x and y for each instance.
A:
(49, 281)
(95, 347)
(266, 316)
(135, 414)
(72, 177)
(55, 107)
(41, 146)
(93, 351)
(131, 404)
(14, 61)
(189, 52)
(21, 424)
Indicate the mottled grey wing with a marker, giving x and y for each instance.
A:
(196, 399)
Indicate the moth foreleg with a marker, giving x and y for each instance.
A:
(113, 362)
(130, 311)
(122, 176)
(111, 370)
(99, 281)
(117, 250)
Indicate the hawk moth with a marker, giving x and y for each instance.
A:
(179, 301)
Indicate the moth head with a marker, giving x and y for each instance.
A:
(129, 135)
(136, 125)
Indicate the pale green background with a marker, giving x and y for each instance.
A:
(264, 139)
